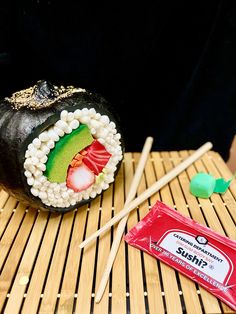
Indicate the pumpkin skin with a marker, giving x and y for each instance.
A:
(19, 127)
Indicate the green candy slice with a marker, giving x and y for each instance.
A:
(65, 149)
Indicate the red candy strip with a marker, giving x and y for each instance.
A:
(196, 251)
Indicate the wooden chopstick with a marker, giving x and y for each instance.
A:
(150, 191)
(121, 226)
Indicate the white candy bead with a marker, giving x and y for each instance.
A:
(93, 131)
(41, 166)
(95, 124)
(57, 189)
(59, 131)
(77, 113)
(30, 146)
(34, 161)
(103, 133)
(36, 142)
(112, 142)
(105, 120)
(43, 179)
(97, 116)
(44, 136)
(32, 168)
(85, 196)
(39, 154)
(105, 186)
(101, 140)
(33, 152)
(34, 191)
(28, 174)
(74, 124)
(42, 195)
(93, 194)
(45, 149)
(44, 159)
(64, 115)
(30, 181)
(65, 195)
(99, 190)
(53, 135)
(50, 144)
(85, 119)
(37, 184)
(70, 116)
(27, 154)
(37, 173)
(61, 124)
(85, 111)
(68, 130)
(112, 125)
(92, 112)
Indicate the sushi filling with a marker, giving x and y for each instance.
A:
(88, 172)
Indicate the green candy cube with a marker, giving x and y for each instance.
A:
(202, 185)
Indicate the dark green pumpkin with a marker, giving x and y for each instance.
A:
(20, 125)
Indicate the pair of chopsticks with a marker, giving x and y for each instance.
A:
(131, 204)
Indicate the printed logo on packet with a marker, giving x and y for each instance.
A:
(194, 251)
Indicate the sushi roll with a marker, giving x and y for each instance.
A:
(60, 147)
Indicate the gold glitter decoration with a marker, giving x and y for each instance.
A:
(30, 99)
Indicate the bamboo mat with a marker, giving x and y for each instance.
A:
(42, 269)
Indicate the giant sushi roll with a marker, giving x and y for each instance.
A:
(60, 147)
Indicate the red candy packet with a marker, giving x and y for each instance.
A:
(196, 251)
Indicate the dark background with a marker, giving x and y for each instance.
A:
(167, 67)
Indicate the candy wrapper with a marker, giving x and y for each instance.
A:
(196, 251)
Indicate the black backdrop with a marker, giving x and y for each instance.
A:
(167, 67)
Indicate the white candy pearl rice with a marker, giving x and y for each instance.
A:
(58, 195)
